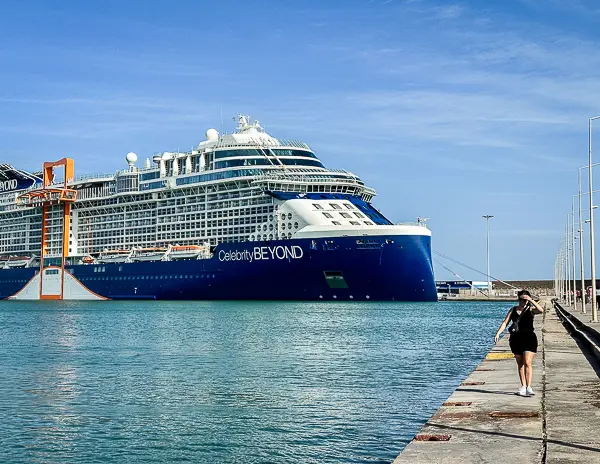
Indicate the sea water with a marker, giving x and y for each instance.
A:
(228, 382)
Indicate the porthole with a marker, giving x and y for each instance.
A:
(270, 236)
(289, 225)
(283, 216)
(290, 216)
(270, 226)
(283, 226)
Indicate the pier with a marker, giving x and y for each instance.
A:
(485, 421)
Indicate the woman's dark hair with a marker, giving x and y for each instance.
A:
(522, 293)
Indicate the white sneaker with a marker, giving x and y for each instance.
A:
(529, 391)
(522, 391)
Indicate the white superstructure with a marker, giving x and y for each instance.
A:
(231, 188)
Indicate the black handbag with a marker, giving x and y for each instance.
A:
(514, 328)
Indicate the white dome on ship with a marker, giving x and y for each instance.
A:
(212, 134)
(131, 158)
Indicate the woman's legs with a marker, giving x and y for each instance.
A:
(527, 359)
(520, 364)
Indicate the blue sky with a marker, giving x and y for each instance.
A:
(451, 110)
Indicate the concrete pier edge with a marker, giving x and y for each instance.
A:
(483, 421)
(584, 331)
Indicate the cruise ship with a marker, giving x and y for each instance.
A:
(243, 216)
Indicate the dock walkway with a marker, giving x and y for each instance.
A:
(483, 421)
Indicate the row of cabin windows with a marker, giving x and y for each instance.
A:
(344, 215)
(334, 206)
(354, 223)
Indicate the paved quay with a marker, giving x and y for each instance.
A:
(483, 421)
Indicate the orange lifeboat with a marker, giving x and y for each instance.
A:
(149, 254)
(186, 251)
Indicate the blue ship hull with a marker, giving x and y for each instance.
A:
(381, 268)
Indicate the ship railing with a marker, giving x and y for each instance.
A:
(418, 223)
(263, 142)
(316, 171)
(342, 171)
(136, 170)
(300, 181)
(293, 143)
(370, 191)
(93, 176)
(59, 182)
(306, 178)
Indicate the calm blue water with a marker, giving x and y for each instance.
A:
(223, 382)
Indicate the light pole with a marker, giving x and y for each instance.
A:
(557, 274)
(564, 270)
(568, 262)
(561, 271)
(573, 253)
(561, 268)
(487, 218)
(583, 292)
(592, 249)
(580, 231)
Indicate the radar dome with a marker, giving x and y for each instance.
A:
(212, 134)
(131, 158)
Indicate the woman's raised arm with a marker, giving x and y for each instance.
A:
(537, 308)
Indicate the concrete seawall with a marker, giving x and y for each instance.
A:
(483, 421)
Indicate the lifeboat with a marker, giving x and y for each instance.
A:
(187, 251)
(149, 254)
(113, 256)
(18, 261)
(88, 260)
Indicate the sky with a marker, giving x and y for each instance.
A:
(450, 110)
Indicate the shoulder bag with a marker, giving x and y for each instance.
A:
(514, 328)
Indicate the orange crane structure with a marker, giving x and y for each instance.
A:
(50, 196)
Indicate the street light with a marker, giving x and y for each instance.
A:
(487, 218)
(568, 262)
(583, 292)
(563, 292)
(592, 250)
(580, 230)
(573, 254)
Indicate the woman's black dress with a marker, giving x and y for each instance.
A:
(525, 339)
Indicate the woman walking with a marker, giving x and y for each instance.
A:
(523, 340)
